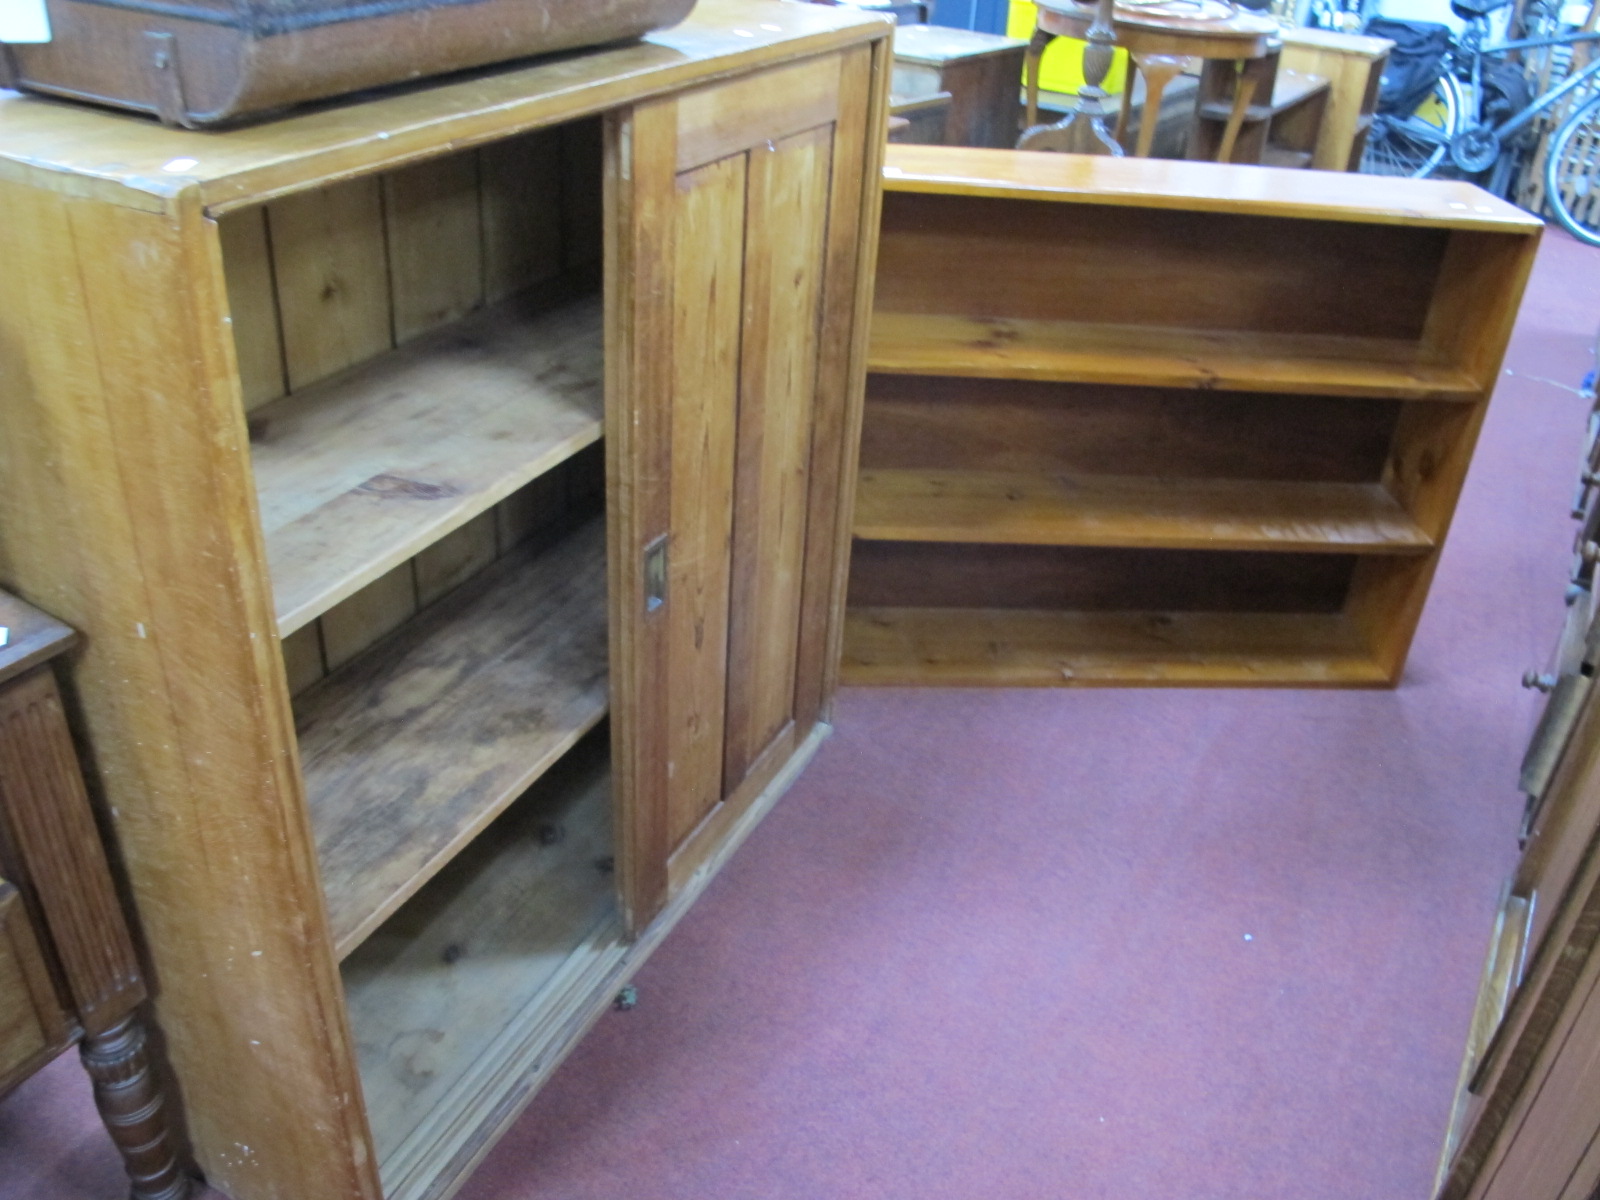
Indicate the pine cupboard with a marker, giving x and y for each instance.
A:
(453, 490)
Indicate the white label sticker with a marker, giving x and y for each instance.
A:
(24, 21)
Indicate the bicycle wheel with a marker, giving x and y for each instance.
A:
(1416, 143)
(1572, 173)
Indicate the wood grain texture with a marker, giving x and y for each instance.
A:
(521, 196)
(1118, 510)
(1151, 183)
(1095, 352)
(454, 558)
(507, 674)
(433, 222)
(708, 303)
(730, 118)
(378, 609)
(182, 694)
(253, 306)
(941, 423)
(33, 1024)
(331, 268)
(641, 199)
(303, 664)
(1095, 578)
(139, 163)
(1155, 269)
(784, 258)
(49, 825)
(356, 476)
(853, 209)
(132, 1106)
(433, 991)
(135, 404)
(1022, 648)
(32, 637)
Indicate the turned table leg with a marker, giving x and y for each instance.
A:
(131, 1105)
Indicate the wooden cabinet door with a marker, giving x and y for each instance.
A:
(736, 285)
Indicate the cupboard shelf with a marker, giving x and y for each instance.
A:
(474, 976)
(1091, 352)
(1029, 647)
(1133, 511)
(354, 475)
(415, 746)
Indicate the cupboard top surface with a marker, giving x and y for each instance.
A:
(136, 162)
(1200, 187)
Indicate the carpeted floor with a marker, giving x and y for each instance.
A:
(1082, 944)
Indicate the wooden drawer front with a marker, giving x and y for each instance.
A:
(31, 1021)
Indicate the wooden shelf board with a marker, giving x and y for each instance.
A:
(1200, 187)
(1133, 511)
(500, 950)
(1012, 647)
(1084, 352)
(358, 473)
(411, 749)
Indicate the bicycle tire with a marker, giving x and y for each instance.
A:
(1413, 146)
(1572, 173)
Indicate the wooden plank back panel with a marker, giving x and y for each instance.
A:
(521, 181)
(788, 209)
(944, 575)
(979, 257)
(708, 311)
(1016, 425)
(433, 223)
(323, 280)
(331, 265)
(582, 206)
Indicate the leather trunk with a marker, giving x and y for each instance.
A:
(209, 62)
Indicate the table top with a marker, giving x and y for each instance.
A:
(1202, 28)
(31, 637)
(939, 44)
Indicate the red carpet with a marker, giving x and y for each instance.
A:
(1082, 944)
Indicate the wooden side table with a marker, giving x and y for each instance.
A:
(67, 967)
(1159, 35)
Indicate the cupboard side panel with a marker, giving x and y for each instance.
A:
(787, 209)
(125, 508)
(707, 308)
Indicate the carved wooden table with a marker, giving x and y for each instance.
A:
(67, 967)
(1157, 39)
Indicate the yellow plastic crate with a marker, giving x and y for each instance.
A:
(1062, 68)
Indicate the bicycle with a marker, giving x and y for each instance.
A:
(1418, 143)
